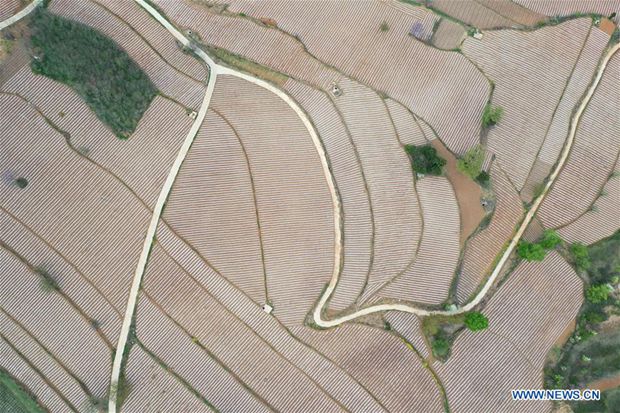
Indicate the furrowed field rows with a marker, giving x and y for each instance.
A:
(338, 383)
(144, 171)
(396, 212)
(19, 368)
(156, 36)
(380, 361)
(451, 92)
(482, 370)
(428, 279)
(264, 45)
(483, 247)
(558, 129)
(56, 325)
(531, 311)
(345, 165)
(407, 128)
(153, 389)
(43, 362)
(99, 221)
(410, 327)
(567, 7)
(215, 189)
(181, 87)
(551, 54)
(592, 157)
(296, 221)
(601, 221)
(449, 35)
(526, 316)
(74, 284)
(184, 354)
(280, 363)
(8, 8)
(474, 13)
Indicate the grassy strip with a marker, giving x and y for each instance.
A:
(15, 398)
(245, 65)
(592, 352)
(110, 82)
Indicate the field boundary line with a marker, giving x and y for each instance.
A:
(150, 235)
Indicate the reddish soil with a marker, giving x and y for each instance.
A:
(468, 193)
(563, 338)
(607, 26)
(606, 383)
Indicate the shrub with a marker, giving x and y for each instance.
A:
(476, 321)
(384, 27)
(92, 64)
(581, 258)
(491, 115)
(424, 159)
(48, 283)
(598, 294)
(531, 251)
(440, 347)
(21, 183)
(550, 239)
(471, 163)
(483, 178)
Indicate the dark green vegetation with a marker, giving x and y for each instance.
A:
(483, 178)
(593, 350)
(471, 163)
(610, 403)
(536, 251)
(580, 256)
(476, 321)
(531, 251)
(384, 26)
(110, 82)
(441, 331)
(424, 159)
(21, 183)
(491, 115)
(47, 281)
(14, 398)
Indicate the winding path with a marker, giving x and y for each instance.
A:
(20, 14)
(215, 70)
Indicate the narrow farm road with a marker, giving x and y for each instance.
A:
(20, 15)
(216, 70)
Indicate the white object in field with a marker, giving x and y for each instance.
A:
(478, 35)
(267, 308)
(193, 114)
(336, 90)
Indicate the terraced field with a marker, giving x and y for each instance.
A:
(263, 241)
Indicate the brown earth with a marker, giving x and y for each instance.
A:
(606, 383)
(607, 26)
(468, 193)
(563, 338)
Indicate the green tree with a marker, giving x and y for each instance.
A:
(471, 163)
(483, 178)
(598, 294)
(21, 183)
(491, 115)
(424, 159)
(531, 251)
(550, 239)
(476, 321)
(580, 254)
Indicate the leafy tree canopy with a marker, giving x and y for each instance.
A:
(598, 294)
(471, 163)
(476, 321)
(92, 64)
(531, 251)
(424, 159)
(491, 115)
(580, 255)
(550, 239)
